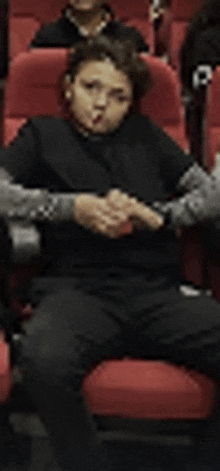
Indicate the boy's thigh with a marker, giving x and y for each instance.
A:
(180, 328)
(70, 328)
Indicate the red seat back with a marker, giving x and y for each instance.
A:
(25, 19)
(181, 13)
(125, 9)
(163, 102)
(32, 89)
(42, 11)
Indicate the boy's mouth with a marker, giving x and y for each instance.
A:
(97, 119)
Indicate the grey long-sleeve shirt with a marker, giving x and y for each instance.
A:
(201, 202)
(33, 204)
(201, 191)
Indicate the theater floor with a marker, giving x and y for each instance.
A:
(27, 448)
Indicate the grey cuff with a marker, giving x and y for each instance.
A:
(64, 204)
(193, 178)
(164, 210)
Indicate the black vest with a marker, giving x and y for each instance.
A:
(129, 160)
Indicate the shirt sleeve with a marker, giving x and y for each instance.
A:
(200, 200)
(199, 204)
(44, 37)
(19, 158)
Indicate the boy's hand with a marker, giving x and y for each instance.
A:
(139, 213)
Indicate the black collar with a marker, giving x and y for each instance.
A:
(108, 18)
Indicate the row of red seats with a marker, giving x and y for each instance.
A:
(127, 389)
(173, 30)
(25, 19)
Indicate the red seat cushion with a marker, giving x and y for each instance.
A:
(180, 14)
(148, 390)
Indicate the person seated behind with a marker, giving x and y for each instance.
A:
(102, 294)
(201, 47)
(199, 55)
(83, 18)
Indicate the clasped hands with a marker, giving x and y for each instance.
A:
(107, 215)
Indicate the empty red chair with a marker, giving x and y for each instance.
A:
(25, 19)
(129, 389)
(163, 102)
(125, 9)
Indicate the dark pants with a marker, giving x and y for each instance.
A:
(79, 322)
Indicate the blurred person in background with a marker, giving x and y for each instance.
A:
(86, 18)
(201, 45)
(199, 55)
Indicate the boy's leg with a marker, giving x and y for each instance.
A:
(70, 333)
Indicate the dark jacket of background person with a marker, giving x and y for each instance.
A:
(64, 33)
(201, 45)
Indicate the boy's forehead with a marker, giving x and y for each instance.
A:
(104, 71)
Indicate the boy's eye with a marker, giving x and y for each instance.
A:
(119, 97)
(89, 86)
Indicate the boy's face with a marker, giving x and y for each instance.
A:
(101, 97)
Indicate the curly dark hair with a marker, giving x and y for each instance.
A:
(123, 54)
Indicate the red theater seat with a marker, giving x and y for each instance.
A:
(21, 33)
(5, 369)
(125, 9)
(25, 19)
(129, 389)
(180, 15)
